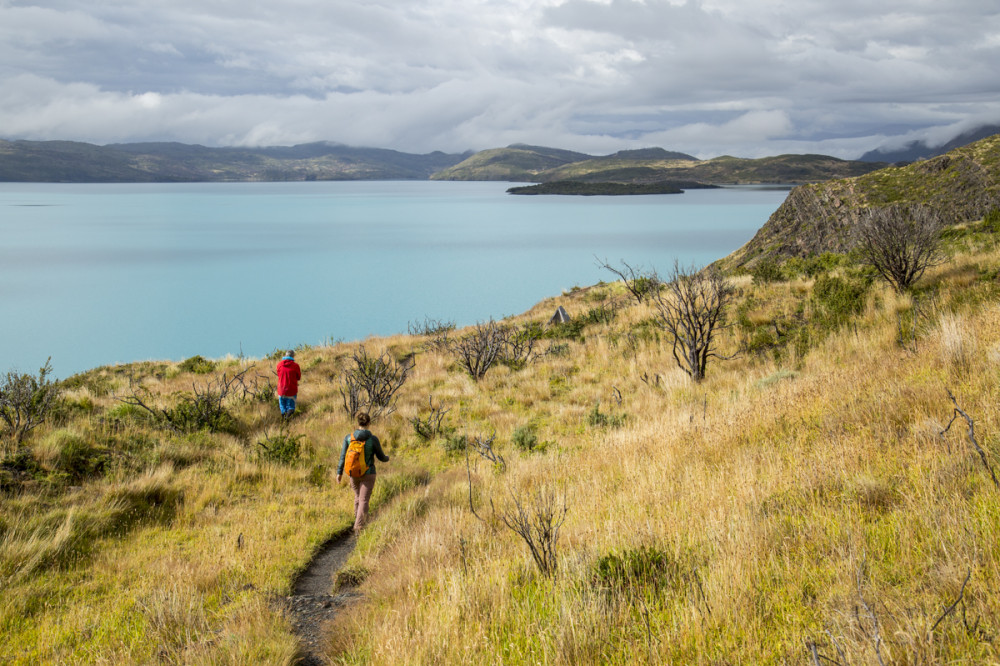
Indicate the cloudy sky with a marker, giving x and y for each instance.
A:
(709, 77)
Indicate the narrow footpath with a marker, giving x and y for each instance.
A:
(311, 603)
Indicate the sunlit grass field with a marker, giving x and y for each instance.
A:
(802, 504)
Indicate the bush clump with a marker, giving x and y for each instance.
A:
(838, 299)
(71, 456)
(197, 365)
(281, 448)
(598, 419)
(455, 443)
(643, 569)
(767, 270)
(525, 437)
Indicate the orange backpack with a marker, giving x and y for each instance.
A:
(354, 461)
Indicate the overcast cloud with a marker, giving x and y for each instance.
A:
(738, 77)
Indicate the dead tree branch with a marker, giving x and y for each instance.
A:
(538, 526)
(900, 242)
(948, 611)
(372, 382)
(972, 437)
(433, 425)
(483, 445)
(692, 310)
(640, 283)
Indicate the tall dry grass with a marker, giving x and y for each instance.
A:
(784, 505)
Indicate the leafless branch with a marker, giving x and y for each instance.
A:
(692, 310)
(948, 611)
(900, 242)
(483, 445)
(972, 437)
(372, 382)
(639, 282)
(538, 526)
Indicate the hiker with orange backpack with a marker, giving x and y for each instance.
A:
(357, 456)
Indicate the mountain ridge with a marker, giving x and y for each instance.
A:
(961, 185)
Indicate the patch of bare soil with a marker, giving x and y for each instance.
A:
(312, 604)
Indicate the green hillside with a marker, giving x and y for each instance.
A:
(527, 163)
(959, 186)
(516, 163)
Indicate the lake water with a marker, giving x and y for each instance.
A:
(98, 274)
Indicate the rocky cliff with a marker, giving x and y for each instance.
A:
(961, 185)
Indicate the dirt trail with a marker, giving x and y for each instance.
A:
(311, 603)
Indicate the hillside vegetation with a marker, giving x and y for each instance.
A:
(960, 186)
(807, 502)
(76, 162)
(533, 164)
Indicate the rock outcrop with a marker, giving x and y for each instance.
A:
(961, 186)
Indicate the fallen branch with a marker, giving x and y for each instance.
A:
(948, 611)
(972, 437)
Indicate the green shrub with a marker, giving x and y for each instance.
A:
(319, 476)
(455, 443)
(559, 350)
(71, 456)
(280, 448)
(202, 412)
(838, 299)
(525, 437)
(813, 265)
(638, 570)
(766, 270)
(991, 221)
(197, 364)
(598, 419)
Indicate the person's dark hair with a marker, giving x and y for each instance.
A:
(364, 419)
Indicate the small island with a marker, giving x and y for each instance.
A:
(581, 188)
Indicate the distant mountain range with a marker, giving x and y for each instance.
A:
(76, 162)
(651, 165)
(919, 150)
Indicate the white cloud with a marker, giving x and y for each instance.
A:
(708, 77)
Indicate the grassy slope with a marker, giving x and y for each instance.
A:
(747, 508)
(529, 163)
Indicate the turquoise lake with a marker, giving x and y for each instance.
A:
(98, 274)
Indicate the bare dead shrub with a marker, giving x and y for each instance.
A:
(483, 445)
(692, 310)
(480, 349)
(640, 283)
(537, 522)
(370, 384)
(432, 425)
(900, 243)
(205, 408)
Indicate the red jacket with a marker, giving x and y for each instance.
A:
(288, 378)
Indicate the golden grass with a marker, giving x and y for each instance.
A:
(757, 510)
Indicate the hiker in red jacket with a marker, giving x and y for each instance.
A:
(289, 375)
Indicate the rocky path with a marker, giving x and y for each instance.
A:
(311, 603)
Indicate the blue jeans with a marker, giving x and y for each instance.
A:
(286, 404)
